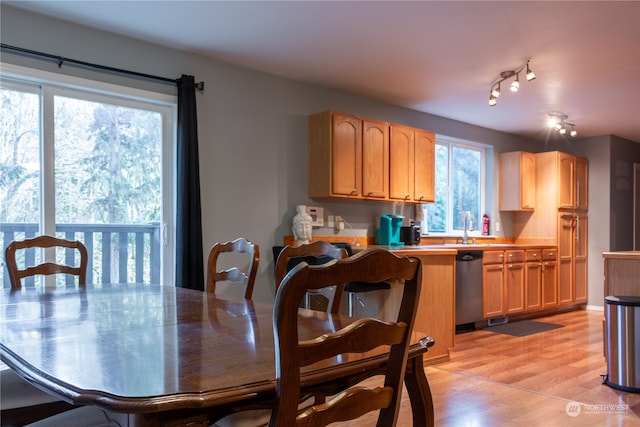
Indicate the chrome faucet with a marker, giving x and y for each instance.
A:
(468, 226)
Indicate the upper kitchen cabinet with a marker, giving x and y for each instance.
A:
(348, 156)
(424, 166)
(411, 164)
(375, 159)
(358, 158)
(517, 176)
(573, 182)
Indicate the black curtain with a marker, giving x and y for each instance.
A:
(189, 255)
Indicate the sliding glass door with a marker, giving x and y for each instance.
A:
(93, 166)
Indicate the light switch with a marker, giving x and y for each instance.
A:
(317, 215)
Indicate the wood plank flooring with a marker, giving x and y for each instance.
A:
(547, 379)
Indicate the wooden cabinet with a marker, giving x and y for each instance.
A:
(401, 165)
(424, 166)
(572, 258)
(517, 176)
(533, 279)
(358, 158)
(493, 289)
(573, 187)
(560, 218)
(411, 164)
(375, 159)
(549, 279)
(348, 156)
(514, 281)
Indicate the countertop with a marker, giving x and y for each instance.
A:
(449, 248)
(622, 255)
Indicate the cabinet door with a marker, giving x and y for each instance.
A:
(517, 181)
(514, 284)
(375, 159)
(565, 259)
(549, 279)
(580, 259)
(533, 285)
(582, 183)
(401, 163)
(346, 155)
(424, 166)
(566, 194)
(493, 295)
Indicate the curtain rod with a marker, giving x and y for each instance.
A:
(61, 60)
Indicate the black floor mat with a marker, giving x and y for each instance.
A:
(523, 328)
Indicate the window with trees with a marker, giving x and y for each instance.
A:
(92, 162)
(460, 178)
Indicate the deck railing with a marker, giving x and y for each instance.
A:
(118, 253)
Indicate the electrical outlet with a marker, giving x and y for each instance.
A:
(330, 222)
(339, 223)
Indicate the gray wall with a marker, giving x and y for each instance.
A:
(624, 154)
(252, 130)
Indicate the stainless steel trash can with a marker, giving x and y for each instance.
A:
(622, 315)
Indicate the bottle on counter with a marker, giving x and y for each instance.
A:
(485, 225)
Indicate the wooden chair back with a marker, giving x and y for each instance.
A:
(246, 277)
(45, 268)
(374, 265)
(312, 253)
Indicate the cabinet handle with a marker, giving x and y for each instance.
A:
(501, 256)
(354, 192)
(370, 193)
(406, 197)
(420, 198)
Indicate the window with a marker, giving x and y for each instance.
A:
(92, 162)
(460, 178)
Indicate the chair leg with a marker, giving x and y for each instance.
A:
(351, 304)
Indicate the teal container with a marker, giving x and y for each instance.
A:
(389, 231)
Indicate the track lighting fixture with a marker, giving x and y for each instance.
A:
(515, 85)
(559, 123)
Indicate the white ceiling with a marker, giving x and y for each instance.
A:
(440, 57)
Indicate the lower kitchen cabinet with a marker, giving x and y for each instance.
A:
(514, 281)
(518, 281)
(533, 279)
(493, 289)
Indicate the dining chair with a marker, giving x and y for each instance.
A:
(363, 335)
(20, 400)
(318, 252)
(244, 277)
(45, 268)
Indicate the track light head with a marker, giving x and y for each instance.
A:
(492, 101)
(495, 92)
(515, 85)
(530, 75)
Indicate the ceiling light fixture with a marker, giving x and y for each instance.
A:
(515, 85)
(558, 122)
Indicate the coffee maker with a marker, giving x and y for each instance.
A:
(389, 231)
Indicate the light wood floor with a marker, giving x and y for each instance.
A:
(500, 380)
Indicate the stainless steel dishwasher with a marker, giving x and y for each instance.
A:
(468, 289)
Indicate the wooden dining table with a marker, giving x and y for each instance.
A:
(169, 356)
